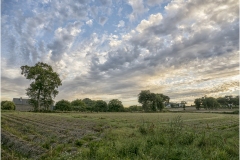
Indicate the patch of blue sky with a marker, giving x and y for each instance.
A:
(155, 10)
(44, 6)
(7, 7)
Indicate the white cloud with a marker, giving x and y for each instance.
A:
(138, 9)
(89, 22)
(121, 24)
(152, 20)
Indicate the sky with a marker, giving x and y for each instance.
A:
(113, 49)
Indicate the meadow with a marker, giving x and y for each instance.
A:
(196, 136)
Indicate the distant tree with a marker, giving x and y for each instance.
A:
(115, 106)
(100, 106)
(235, 100)
(210, 103)
(228, 101)
(159, 101)
(8, 105)
(89, 104)
(144, 97)
(44, 86)
(222, 101)
(151, 101)
(78, 105)
(63, 105)
(198, 103)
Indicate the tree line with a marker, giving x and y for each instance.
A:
(214, 103)
(88, 105)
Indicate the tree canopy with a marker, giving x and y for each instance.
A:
(78, 105)
(63, 105)
(89, 104)
(44, 86)
(152, 101)
(115, 106)
(206, 102)
(100, 106)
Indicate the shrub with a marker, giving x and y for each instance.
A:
(100, 106)
(63, 105)
(8, 105)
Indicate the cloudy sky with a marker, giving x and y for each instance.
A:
(107, 49)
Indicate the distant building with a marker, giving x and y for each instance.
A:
(22, 104)
(175, 105)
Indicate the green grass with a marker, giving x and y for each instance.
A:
(122, 135)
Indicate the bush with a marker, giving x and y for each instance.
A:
(115, 106)
(78, 105)
(8, 105)
(100, 106)
(63, 105)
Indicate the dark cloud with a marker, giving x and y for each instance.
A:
(116, 59)
(63, 38)
(102, 20)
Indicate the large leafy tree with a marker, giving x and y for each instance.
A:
(210, 103)
(78, 105)
(145, 99)
(198, 103)
(89, 104)
(115, 106)
(100, 106)
(152, 101)
(63, 105)
(44, 84)
(159, 101)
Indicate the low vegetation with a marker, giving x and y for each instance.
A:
(33, 135)
(7, 105)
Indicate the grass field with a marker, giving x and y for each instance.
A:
(28, 135)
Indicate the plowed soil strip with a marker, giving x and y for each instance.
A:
(23, 147)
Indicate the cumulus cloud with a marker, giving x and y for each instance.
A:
(137, 7)
(64, 37)
(165, 42)
(89, 22)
